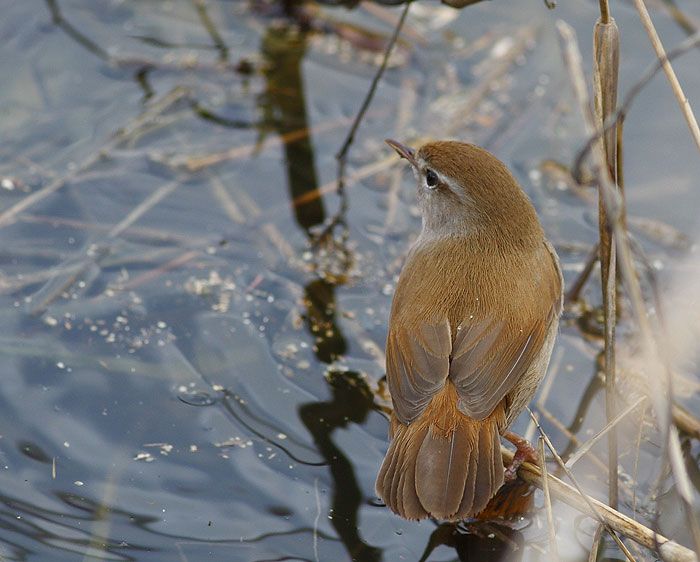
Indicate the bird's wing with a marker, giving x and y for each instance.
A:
(484, 357)
(490, 357)
(417, 365)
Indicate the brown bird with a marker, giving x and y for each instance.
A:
(473, 322)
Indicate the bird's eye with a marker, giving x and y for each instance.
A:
(431, 178)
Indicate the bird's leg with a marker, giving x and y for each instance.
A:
(523, 452)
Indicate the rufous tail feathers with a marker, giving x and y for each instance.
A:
(444, 464)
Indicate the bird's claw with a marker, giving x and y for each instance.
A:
(523, 452)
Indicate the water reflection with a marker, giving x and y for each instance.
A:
(284, 109)
(351, 402)
(478, 542)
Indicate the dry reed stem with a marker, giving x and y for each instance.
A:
(686, 22)
(606, 55)
(624, 107)
(140, 232)
(149, 276)
(593, 554)
(556, 422)
(683, 102)
(685, 421)
(200, 161)
(553, 551)
(579, 489)
(573, 459)
(660, 397)
(228, 205)
(142, 208)
(670, 550)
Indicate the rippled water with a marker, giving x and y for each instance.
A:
(192, 319)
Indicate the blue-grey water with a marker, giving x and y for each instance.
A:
(192, 320)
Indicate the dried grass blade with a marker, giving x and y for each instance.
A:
(598, 436)
(553, 551)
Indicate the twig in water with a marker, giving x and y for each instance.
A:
(152, 112)
(142, 208)
(683, 102)
(208, 24)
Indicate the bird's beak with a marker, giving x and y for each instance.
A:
(403, 151)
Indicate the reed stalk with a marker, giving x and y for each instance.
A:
(606, 57)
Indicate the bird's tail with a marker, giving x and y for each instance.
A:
(444, 464)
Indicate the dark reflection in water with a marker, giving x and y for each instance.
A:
(478, 542)
(284, 109)
(351, 403)
(319, 298)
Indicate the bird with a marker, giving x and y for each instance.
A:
(473, 321)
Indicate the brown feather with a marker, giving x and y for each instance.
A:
(442, 465)
(441, 471)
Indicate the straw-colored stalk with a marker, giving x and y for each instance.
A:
(681, 98)
(553, 550)
(606, 56)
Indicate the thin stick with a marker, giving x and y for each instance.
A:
(635, 469)
(573, 459)
(375, 82)
(553, 551)
(670, 74)
(208, 24)
(142, 208)
(604, 11)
